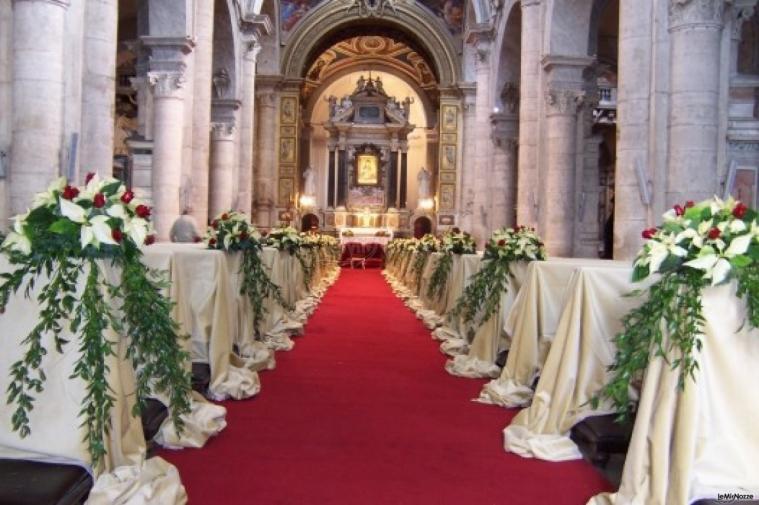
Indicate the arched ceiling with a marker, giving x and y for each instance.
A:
(367, 52)
(450, 12)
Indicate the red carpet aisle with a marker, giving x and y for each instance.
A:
(362, 412)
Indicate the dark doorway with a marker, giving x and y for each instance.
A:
(422, 226)
(309, 222)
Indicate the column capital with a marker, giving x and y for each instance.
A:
(563, 102)
(166, 84)
(252, 48)
(223, 131)
(684, 14)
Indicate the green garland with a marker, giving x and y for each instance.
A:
(257, 286)
(439, 279)
(307, 258)
(482, 296)
(417, 267)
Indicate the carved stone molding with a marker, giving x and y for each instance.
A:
(57, 3)
(223, 131)
(563, 102)
(166, 84)
(251, 49)
(741, 12)
(685, 14)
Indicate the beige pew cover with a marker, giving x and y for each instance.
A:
(206, 309)
(56, 432)
(490, 338)
(576, 366)
(703, 441)
(455, 333)
(532, 324)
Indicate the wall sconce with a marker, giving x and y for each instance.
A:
(427, 204)
(307, 201)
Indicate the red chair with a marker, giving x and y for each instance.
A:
(353, 254)
(374, 255)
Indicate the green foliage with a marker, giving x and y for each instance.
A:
(439, 279)
(257, 286)
(417, 267)
(483, 294)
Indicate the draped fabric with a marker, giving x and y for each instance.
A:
(697, 443)
(57, 434)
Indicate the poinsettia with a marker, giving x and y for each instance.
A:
(284, 238)
(458, 242)
(231, 231)
(519, 243)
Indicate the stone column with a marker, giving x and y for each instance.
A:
(695, 29)
(502, 187)
(266, 162)
(529, 109)
(99, 86)
(468, 173)
(168, 122)
(222, 168)
(331, 178)
(634, 125)
(201, 112)
(6, 104)
(38, 39)
(558, 202)
(403, 199)
(247, 121)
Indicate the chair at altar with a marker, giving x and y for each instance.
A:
(353, 254)
(374, 255)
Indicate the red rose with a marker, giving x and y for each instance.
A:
(215, 224)
(714, 233)
(127, 197)
(197, 239)
(88, 177)
(142, 211)
(649, 233)
(501, 243)
(224, 216)
(689, 204)
(740, 210)
(99, 201)
(150, 240)
(70, 192)
(244, 235)
(679, 210)
(212, 242)
(117, 235)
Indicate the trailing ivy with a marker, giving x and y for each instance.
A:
(453, 242)
(62, 247)
(696, 246)
(439, 278)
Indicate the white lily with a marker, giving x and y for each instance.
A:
(102, 230)
(737, 226)
(48, 197)
(18, 242)
(689, 233)
(659, 251)
(73, 211)
(18, 222)
(137, 229)
(87, 236)
(714, 267)
(116, 210)
(738, 246)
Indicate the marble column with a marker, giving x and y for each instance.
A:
(99, 86)
(168, 123)
(468, 173)
(502, 187)
(695, 29)
(222, 168)
(266, 161)
(37, 117)
(558, 203)
(634, 124)
(6, 104)
(483, 145)
(244, 195)
(331, 179)
(529, 109)
(201, 112)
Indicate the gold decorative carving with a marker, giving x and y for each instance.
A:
(286, 192)
(448, 177)
(447, 196)
(449, 116)
(287, 150)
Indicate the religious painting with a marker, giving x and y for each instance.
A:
(447, 196)
(287, 150)
(367, 170)
(448, 177)
(292, 11)
(363, 197)
(450, 11)
(288, 110)
(448, 161)
(286, 191)
(744, 188)
(450, 113)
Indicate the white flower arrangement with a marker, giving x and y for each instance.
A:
(231, 231)
(284, 238)
(520, 243)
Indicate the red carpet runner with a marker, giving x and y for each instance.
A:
(362, 412)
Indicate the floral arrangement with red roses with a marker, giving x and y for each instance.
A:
(697, 245)
(481, 298)
(453, 242)
(59, 251)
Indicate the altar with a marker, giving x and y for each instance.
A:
(379, 236)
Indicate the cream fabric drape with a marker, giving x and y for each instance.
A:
(56, 432)
(576, 366)
(532, 324)
(490, 338)
(455, 333)
(697, 443)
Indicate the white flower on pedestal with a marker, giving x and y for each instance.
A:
(73, 211)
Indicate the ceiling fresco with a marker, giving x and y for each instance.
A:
(451, 12)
